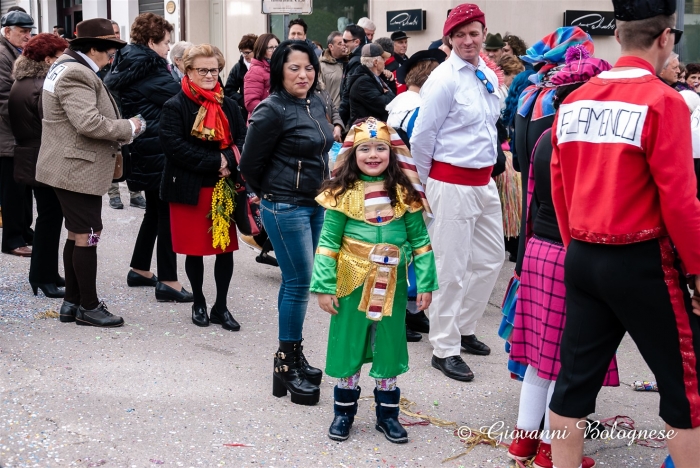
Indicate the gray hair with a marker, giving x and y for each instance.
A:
(366, 23)
(385, 43)
(114, 22)
(178, 49)
(368, 61)
(332, 36)
(670, 59)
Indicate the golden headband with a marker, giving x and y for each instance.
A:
(371, 130)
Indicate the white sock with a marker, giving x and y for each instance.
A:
(411, 307)
(550, 391)
(533, 400)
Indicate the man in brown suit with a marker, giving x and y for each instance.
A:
(80, 146)
(15, 198)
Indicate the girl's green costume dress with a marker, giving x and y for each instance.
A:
(362, 258)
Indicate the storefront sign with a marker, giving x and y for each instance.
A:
(405, 20)
(286, 7)
(595, 23)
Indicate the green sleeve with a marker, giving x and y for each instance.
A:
(424, 263)
(324, 278)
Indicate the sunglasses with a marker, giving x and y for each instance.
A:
(480, 75)
(677, 34)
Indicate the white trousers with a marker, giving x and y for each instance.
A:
(467, 239)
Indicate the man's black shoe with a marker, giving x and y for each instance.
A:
(418, 322)
(97, 317)
(133, 280)
(116, 203)
(67, 313)
(412, 336)
(474, 346)
(138, 202)
(453, 367)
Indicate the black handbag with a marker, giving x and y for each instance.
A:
(246, 214)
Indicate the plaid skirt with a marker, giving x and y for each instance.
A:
(541, 311)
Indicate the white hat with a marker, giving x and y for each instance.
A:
(691, 99)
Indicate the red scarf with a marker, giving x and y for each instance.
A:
(211, 122)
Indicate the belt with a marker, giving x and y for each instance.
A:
(450, 174)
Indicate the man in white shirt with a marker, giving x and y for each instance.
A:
(454, 147)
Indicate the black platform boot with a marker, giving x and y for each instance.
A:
(345, 409)
(289, 376)
(388, 415)
(313, 374)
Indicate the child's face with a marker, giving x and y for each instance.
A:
(373, 157)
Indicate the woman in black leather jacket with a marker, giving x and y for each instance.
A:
(284, 161)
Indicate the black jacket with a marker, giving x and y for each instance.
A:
(285, 157)
(350, 68)
(141, 81)
(234, 83)
(367, 96)
(190, 162)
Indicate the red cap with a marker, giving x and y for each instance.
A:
(463, 14)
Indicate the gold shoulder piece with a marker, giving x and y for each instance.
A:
(401, 205)
(351, 203)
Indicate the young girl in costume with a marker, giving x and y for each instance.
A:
(373, 229)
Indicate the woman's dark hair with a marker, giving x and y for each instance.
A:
(247, 42)
(692, 69)
(563, 92)
(393, 176)
(85, 47)
(516, 44)
(149, 27)
(260, 47)
(279, 58)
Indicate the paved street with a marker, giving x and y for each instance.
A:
(160, 391)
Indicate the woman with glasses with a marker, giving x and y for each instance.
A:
(198, 130)
(257, 80)
(285, 160)
(82, 131)
(235, 82)
(142, 81)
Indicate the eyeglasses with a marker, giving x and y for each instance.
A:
(246, 52)
(348, 40)
(206, 71)
(272, 47)
(480, 75)
(677, 34)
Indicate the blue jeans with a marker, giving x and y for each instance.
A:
(294, 232)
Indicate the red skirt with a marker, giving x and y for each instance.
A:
(190, 227)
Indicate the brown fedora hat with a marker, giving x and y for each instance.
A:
(96, 30)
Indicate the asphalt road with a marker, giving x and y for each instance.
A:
(161, 391)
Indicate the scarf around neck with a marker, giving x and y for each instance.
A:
(211, 123)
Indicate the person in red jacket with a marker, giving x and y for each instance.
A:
(623, 189)
(257, 80)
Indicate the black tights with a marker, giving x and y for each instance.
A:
(223, 271)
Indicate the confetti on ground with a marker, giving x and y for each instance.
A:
(47, 314)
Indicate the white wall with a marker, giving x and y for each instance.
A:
(123, 12)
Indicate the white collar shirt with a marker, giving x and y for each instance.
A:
(457, 119)
(89, 61)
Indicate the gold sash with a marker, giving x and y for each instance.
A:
(371, 265)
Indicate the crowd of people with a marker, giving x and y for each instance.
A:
(392, 185)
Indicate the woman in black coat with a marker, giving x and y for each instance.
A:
(234, 88)
(142, 83)
(199, 129)
(25, 109)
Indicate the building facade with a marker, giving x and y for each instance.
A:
(223, 22)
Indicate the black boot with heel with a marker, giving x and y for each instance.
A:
(313, 374)
(289, 376)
